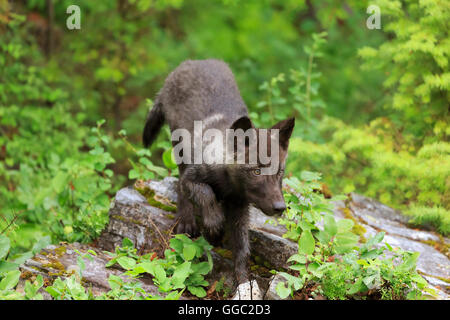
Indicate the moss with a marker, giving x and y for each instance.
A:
(36, 268)
(60, 251)
(325, 190)
(55, 265)
(153, 200)
(127, 220)
(357, 227)
(444, 279)
(227, 254)
(261, 271)
(84, 282)
(48, 282)
(360, 231)
(26, 275)
(440, 246)
(258, 260)
(170, 216)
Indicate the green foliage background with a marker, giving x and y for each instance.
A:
(372, 106)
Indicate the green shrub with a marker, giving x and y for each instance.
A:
(329, 259)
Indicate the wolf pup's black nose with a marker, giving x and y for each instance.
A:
(279, 206)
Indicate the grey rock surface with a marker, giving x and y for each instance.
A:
(374, 217)
(61, 261)
(248, 291)
(150, 227)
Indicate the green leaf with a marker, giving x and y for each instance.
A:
(299, 267)
(60, 181)
(306, 243)
(5, 244)
(370, 254)
(10, 280)
(6, 266)
(180, 274)
(371, 281)
(127, 243)
(197, 291)
(174, 295)
(344, 225)
(323, 237)
(294, 183)
(189, 252)
(53, 292)
(133, 174)
(374, 240)
(345, 242)
(356, 287)
(169, 159)
(176, 244)
(126, 262)
(330, 225)
(310, 176)
(148, 266)
(300, 258)
(114, 282)
(201, 268)
(409, 263)
(22, 258)
(41, 244)
(314, 269)
(422, 283)
(282, 290)
(160, 273)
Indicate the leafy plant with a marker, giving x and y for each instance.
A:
(144, 168)
(181, 267)
(416, 66)
(330, 259)
(10, 273)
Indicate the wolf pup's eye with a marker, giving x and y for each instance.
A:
(257, 172)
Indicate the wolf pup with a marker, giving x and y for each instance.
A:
(206, 91)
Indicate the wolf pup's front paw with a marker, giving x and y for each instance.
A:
(188, 226)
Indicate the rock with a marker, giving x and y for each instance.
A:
(146, 215)
(61, 261)
(248, 291)
(133, 217)
(380, 216)
(374, 217)
(165, 188)
(271, 293)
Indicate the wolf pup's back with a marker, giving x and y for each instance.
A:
(197, 90)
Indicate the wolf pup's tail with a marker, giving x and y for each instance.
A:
(155, 120)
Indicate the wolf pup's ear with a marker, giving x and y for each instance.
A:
(243, 123)
(286, 127)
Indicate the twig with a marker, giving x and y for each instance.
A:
(11, 222)
(159, 232)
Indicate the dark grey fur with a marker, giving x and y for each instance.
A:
(221, 195)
